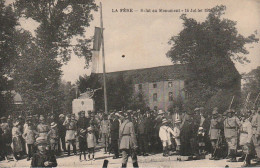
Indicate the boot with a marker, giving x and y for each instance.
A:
(242, 158)
(135, 165)
(233, 156)
(68, 148)
(123, 165)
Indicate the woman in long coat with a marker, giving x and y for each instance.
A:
(16, 138)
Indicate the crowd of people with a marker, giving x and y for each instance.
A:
(131, 133)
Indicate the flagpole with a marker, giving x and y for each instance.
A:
(103, 56)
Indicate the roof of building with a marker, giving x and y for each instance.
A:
(154, 74)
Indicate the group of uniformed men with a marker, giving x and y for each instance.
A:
(125, 131)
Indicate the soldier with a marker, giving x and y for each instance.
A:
(231, 125)
(128, 142)
(214, 134)
(256, 133)
(246, 133)
(142, 134)
(114, 133)
(43, 128)
(70, 134)
(104, 128)
(4, 124)
(62, 133)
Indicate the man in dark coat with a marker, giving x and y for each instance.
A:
(62, 133)
(114, 134)
(142, 134)
(186, 135)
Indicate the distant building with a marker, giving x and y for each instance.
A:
(161, 86)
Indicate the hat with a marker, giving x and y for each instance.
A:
(160, 112)
(41, 140)
(61, 116)
(41, 118)
(177, 121)
(82, 131)
(200, 128)
(230, 111)
(16, 123)
(197, 109)
(214, 112)
(90, 129)
(3, 118)
(53, 124)
(164, 121)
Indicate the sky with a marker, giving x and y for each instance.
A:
(143, 36)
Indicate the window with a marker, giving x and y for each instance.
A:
(154, 85)
(169, 84)
(140, 86)
(170, 96)
(155, 97)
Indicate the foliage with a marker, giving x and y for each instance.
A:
(252, 86)
(208, 48)
(38, 69)
(8, 22)
(120, 93)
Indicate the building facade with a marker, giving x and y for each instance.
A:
(160, 86)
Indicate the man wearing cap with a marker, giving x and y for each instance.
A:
(43, 128)
(142, 134)
(256, 133)
(104, 129)
(186, 134)
(71, 129)
(114, 134)
(231, 125)
(128, 142)
(62, 133)
(214, 134)
(4, 124)
(246, 133)
(43, 158)
(83, 122)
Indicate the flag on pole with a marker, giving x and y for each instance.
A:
(96, 49)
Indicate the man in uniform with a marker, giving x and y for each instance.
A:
(246, 133)
(256, 133)
(214, 134)
(71, 129)
(128, 142)
(43, 128)
(231, 125)
(114, 134)
(62, 133)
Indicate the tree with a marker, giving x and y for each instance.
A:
(8, 31)
(252, 86)
(208, 49)
(119, 94)
(39, 68)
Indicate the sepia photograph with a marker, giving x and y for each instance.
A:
(117, 83)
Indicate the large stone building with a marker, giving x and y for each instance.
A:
(161, 86)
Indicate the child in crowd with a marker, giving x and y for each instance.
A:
(17, 141)
(53, 137)
(91, 142)
(43, 158)
(82, 143)
(176, 135)
(165, 133)
(29, 137)
(201, 140)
